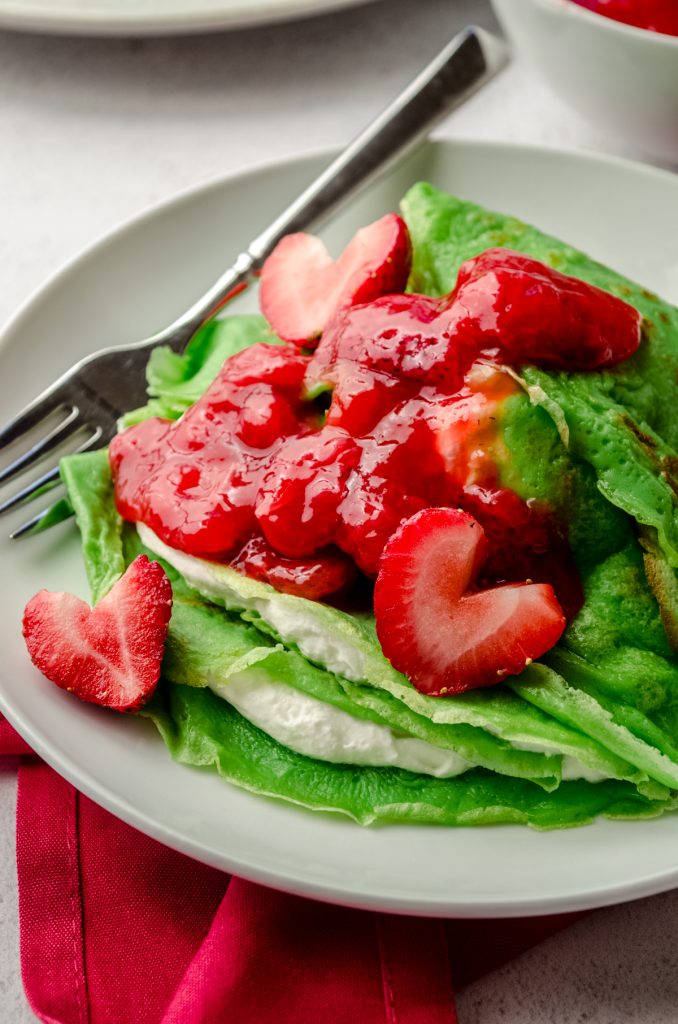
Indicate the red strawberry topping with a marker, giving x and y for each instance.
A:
(326, 573)
(361, 396)
(434, 625)
(508, 305)
(301, 286)
(524, 541)
(371, 512)
(194, 481)
(263, 477)
(534, 314)
(407, 336)
(110, 654)
(296, 504)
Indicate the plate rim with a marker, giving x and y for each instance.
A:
(254, 168)
(588, 898)
(87, 21)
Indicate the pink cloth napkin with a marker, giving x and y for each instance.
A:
(118, 929)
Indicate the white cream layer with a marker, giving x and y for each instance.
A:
(307, 725)
(311, 727)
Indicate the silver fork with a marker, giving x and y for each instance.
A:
(94, 393)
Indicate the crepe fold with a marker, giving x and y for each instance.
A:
(598, 447)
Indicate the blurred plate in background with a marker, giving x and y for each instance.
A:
(155, 17)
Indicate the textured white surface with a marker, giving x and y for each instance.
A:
(94, 131)
(619, 965)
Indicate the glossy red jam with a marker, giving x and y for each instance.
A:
(258, 475)
(655, 15)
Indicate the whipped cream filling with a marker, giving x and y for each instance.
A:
(287, 618)
(311, 727)
(571, 768)
(303, 723)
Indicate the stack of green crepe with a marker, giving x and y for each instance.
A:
(598, 447)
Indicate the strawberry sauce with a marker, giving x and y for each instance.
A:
(655, 15)
(304, 495)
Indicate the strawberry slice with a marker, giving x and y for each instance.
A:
(443, 633)
(301, 286)
(535, 314)
(110, 654)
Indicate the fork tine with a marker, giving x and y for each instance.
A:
(57, 513)
(59, 433)
(29, 525)
(32, 490)
(49, 479)
(38, 410)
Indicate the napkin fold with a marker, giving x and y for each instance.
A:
(119, 929)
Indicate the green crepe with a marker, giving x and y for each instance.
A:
(621, 422)
(615, 429)
(595, 447)
(177, 381)
(200, 729)
(205, 644)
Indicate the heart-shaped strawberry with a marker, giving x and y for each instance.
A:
(443, 633)
(506, 304)
(110, 654)
(301, 286)
(535, 314)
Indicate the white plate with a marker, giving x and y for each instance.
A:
(133, 283)
(155, 17)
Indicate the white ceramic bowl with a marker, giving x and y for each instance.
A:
(623, 79)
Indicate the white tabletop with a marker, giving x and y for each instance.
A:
(92, 132)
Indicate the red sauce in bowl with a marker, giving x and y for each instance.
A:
(654, 15)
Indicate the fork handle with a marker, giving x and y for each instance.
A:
(466, 63)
